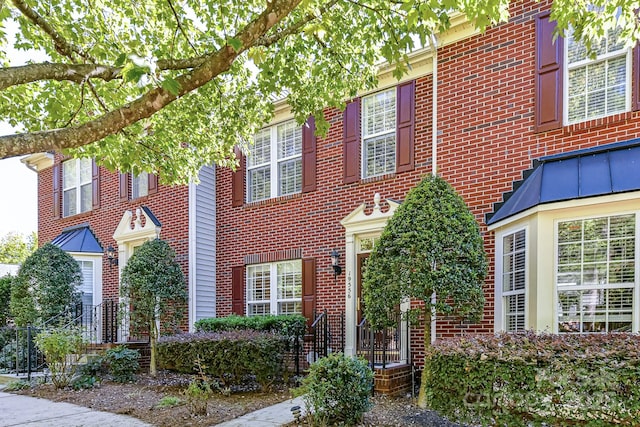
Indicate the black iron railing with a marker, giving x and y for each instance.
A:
(383, 346)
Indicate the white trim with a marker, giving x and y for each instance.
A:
(192, 256)
(580, 64)
(499, 314)
(359, 225)
(573, 203)
(635, 313)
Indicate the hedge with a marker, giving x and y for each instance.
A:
(231, 358)
(287, 325)
(531, 380)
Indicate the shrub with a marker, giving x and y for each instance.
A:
(123, 363)
(337, 390)
(231, 358)
(5, 298)
(60, 348)
(46, 287)
(89, 374)
(286, 325)
(528, 379)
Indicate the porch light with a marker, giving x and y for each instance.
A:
(335, 262)
(112, 256)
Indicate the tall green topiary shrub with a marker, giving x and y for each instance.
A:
(337, 390)
(5, 298)
(46, 287)
(154, 290)
(431, 245)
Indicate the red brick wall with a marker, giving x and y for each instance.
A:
(169, 204)
(487, 139)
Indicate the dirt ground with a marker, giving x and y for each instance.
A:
(142, 400)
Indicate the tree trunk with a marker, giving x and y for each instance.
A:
(422, 396)
(153, 341)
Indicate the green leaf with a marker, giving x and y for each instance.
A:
(133, 73)
(171, 85)
(235, 43)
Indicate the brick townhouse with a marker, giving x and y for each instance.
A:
(100, 217)
(540, 140)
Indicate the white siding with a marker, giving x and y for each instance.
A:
(205, 245)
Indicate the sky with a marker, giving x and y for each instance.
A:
(18, 184)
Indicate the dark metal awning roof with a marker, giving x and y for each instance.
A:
(597, 171)
(78, 238)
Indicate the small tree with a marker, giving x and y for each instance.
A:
(5, 298)
(15, 247)
(46, 286)
(430, 247)
(154, 290)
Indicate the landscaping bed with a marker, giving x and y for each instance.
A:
(142, 398)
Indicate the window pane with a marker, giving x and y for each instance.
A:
(258, 283)
(69, 174)
(139, 185)
(86, 202)
(290, 176)
(289, 140)
(85, 170)
(597, 86)
(514, 306)
(259, 184)
(608, 248)
(379, 113)
(69, 202)
(261, 151)
(380, 155)
(290, 280)
(289, 307)
(258, 309)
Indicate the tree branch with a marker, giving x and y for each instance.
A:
(62, 46)
(184, 34)
(295, 27)
(154, 100)
(78, 73)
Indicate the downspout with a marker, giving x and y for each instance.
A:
(433, 42)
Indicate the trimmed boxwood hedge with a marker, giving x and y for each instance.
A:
(287, 325)
(528, 379)
(231, 358)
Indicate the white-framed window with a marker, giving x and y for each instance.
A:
(596, 274)
(139, 185)
(274, 288)
(600, 86)
(274, 167)
(379, 133)
(76, 186)
(514, 280)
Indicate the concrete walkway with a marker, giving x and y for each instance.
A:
(18, 410)
(272, 416)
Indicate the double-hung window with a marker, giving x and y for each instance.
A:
(139, 185)
(379, 133)
(275, 164)
(274, 288)
(514, 280)
(597, 86)
(596, 274)
(76, 186)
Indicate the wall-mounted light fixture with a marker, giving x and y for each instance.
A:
(335, 262)
(112, 256)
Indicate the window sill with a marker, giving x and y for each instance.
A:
(76, 216)
(273, 200)
(598, 123)
(378, 178)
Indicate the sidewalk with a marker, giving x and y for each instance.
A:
(18, 410)
(272, 416)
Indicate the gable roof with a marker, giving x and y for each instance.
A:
(597, 171)
(78, 238)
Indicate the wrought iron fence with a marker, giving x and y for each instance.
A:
(383, 346)
(18, 352)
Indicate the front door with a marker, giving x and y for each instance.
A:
(362, 261)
